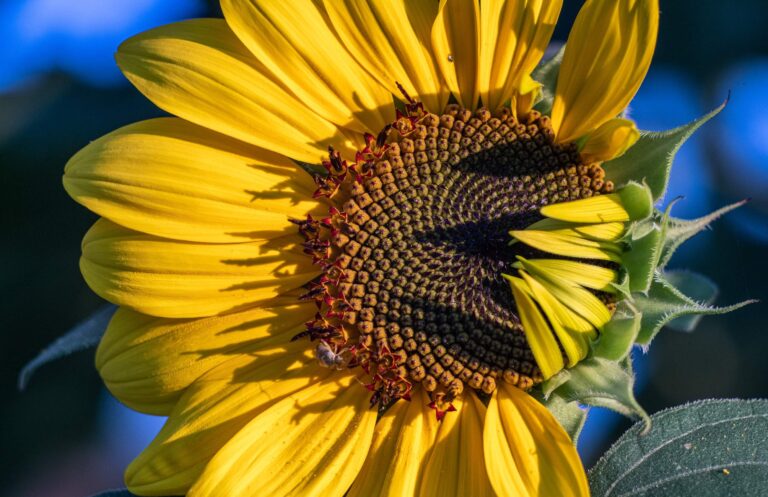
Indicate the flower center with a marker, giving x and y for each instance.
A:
(413, 254)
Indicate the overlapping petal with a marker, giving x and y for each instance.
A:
(610, 140)
(147, 362)
(456, 43)
(213, 409)
(401, 444)
(170, 178)
(456, 465)
(311, 443)
(488, 49)
(527, 452)
(295, 42)
(390, 39)
(169, 278)
(513, 38)
(199, 71)
(606, 57)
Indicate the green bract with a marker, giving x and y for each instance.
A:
(650, 296)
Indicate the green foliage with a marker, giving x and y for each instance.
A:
(546, 74)
(680, 230)
(710, 448)
(570, 415)
(84, 335)
(651, 158)
(618, 337)
(599, 382)
(665, 302)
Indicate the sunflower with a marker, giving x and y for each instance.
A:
(362, 241)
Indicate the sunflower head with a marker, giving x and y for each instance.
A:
(375, 239)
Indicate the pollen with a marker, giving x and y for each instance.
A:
(414, 249)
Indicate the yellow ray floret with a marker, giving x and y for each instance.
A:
(540, 338)
(610, 140)
(600, 209)
(519, 433)
(632, 202)
(569, 245)
(583, 274)
(601, 231)
(607, 56)
(574, 342)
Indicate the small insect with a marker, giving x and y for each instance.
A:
(329, 357)
(450, 58)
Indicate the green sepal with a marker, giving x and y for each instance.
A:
(644, 237)
(650, 159)
(546, 74)
(637, 200)
(618, 337)
(680, 230)
(600, 382)
(641, 259)
(555, 382)
(83, 335)
(570, 415)
(665, 302)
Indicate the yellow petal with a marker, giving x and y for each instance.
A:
(170, 178)
(173, 279)
(545, 349)
(582, 302)
(311, 443)
(580, 273)
(456, 466)
(199, 71)
(390, 39)
(401, 444)
(601, 231)
(574, 343)
(529, 93)
(456, 42)
(294, 42)
(513, 37)
(569, 245)
(147, 362)
(598, 209)
(610, 140)
(606, 58)
(212, 410)
(527, 452)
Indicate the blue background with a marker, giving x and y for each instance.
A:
(60, 88)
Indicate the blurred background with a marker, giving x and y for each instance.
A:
(60, 88)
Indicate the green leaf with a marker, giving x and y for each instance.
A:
(570, 415)
(709, 448)
(680, 230)
(602, 383)
(651, 158)
(618, 337)
(85, 334)
(546, 74)
(666, 302)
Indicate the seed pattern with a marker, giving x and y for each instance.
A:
(414, 252)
